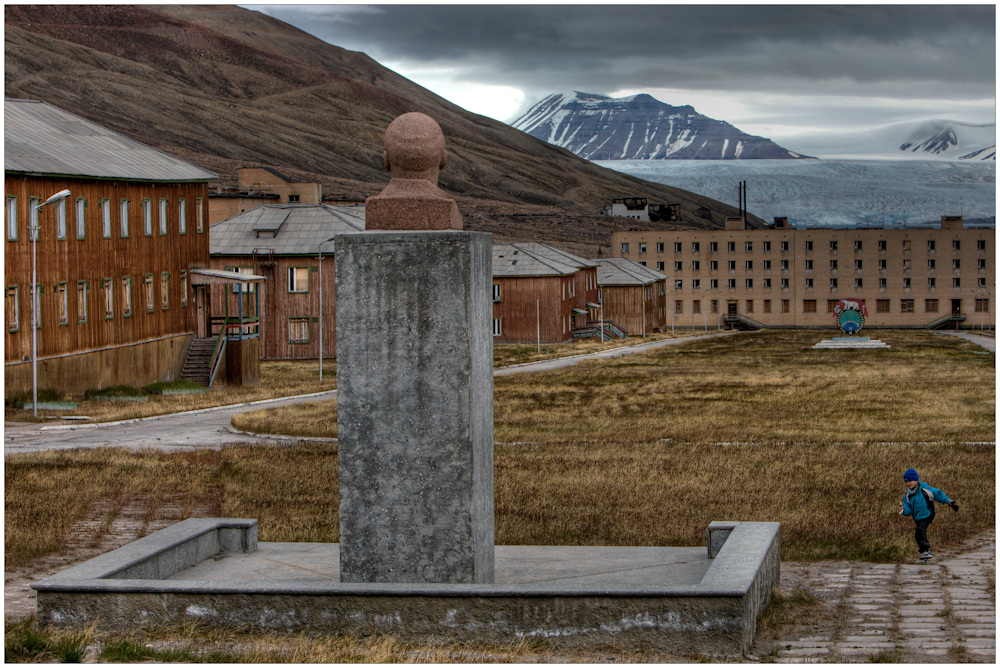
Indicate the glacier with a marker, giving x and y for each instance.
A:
(834, 193)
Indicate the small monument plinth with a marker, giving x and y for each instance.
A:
(415, 378)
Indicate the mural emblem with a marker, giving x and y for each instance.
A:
(850, 314)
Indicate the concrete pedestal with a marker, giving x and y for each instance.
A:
(415, 407)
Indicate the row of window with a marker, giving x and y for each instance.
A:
(713, 246)
(106, 206)
(713, 265)
(809, 306)
(883, 283)
(108, 290)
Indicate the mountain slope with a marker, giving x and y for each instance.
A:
(225, 87)
(639, 127)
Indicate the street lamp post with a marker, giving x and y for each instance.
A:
(319, 249)
(33, 231)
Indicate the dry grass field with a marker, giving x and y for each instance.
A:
(643, 450)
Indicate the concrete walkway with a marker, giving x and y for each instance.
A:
(944, 611)
(210, 427)
(987, 342)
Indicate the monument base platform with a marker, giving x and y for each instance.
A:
(849, 342)
(682, 600)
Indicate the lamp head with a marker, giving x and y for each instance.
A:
(62, 194)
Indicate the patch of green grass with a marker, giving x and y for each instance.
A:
(117, 391)
(158, 388)
(25, 641)
(130, 651)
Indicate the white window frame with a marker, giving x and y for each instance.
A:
(81, 219)
(123, 206)
(182, 224)
(11, 219)
(106, 217)
(293, 280)
(147, 217)
(163, 216)
(61, 219)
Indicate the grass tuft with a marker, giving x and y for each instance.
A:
(25, 641)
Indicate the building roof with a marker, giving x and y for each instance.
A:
(45, 140)
(548, 252)
(622, 271)
(285, 229)
(526, 260)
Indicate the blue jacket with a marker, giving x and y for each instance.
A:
(918, 505)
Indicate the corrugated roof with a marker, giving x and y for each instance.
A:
(543, 250)
(298, 229)
(45, 140)
(521, 260)
(622, 271)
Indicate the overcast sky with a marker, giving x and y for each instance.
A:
(772, 70)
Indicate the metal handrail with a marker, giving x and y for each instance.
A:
(220, 348)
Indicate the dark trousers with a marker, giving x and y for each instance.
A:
(923, 544)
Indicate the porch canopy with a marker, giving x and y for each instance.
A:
(202, 276)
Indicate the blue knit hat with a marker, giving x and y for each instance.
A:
(911, 474)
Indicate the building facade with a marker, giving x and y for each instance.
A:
(633, 295)
(290, 246)
(781, 276)
(257, 186)
(114, 302)
(541, 293)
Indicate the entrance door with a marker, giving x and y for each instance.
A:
(201, 311)
(956, 306)
(732, 308)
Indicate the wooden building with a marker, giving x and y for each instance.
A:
(541, 293)
(257, 186)
(633, 296)
(291, 246)
(113, 258)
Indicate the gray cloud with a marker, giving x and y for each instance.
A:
(908, 52)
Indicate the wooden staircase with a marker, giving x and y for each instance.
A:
(198, 363)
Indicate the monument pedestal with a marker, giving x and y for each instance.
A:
(415, 407)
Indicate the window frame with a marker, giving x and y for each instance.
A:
(149, 288)
(126, 296)
(61, 219)
(11, 218)
(291, 282)
(82, 288)
(105, 207)
(108, 290)
(146, 205)
(300, 319)
(164, 290)
(62, 303)
(80, 210)
(181, 215)
(12, 306)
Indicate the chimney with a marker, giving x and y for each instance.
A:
(952, 222)
(735, 223)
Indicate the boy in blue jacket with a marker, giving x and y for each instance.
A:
(919, 504)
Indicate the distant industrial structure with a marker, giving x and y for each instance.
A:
(641, 210)
(781, 276)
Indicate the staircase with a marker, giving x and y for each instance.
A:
(198, 363)
(612, 330)
(742, 322)
(947, 322)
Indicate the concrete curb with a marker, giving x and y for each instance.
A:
(94, 425)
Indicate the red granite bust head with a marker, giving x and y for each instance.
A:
(414, 155)
(414, 148)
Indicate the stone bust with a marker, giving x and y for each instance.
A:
(414, 156)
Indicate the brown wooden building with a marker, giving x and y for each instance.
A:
(633, 296)
(541, 293)
(113, 258)
(284, 243)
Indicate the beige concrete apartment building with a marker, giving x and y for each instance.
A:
(781, 276)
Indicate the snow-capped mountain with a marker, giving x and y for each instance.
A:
(640, 127)
(914, 140)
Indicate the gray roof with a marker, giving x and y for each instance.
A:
(622, 271)
(297, 229)
(525, 260)
(45, 140)
(550, 253)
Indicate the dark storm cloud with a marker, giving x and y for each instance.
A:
(603, 48)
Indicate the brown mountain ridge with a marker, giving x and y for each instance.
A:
(225, 87)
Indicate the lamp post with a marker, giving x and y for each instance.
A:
(33, 231)
(319, 250)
